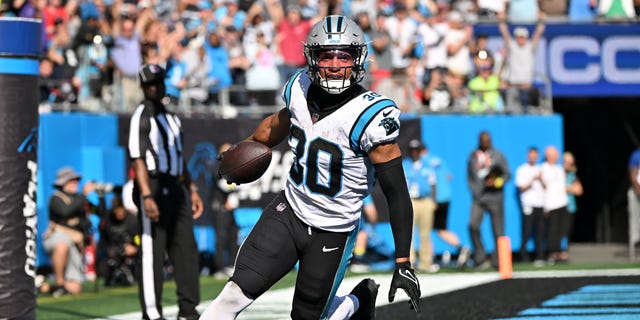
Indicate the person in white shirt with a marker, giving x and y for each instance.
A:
(531, 191)
(555, 201)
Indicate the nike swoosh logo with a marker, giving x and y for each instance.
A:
(386, 113)
(325, 249)
(409, 276)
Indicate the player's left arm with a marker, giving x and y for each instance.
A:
(387, 160)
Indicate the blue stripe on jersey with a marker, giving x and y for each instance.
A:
(363, 121)
(287, 89)
(342, 268)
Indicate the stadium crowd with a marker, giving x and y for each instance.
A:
(218, 53)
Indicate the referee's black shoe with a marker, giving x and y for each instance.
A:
(366, 291)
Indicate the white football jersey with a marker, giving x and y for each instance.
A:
(331, 172)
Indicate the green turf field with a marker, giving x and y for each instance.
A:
(97, 301)
(100, 302)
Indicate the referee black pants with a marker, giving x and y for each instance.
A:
(172, 236)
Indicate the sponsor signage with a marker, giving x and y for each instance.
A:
(584, 60)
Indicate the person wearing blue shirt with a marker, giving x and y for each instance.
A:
(219, 74)
(421, 181)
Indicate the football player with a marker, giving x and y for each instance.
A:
(343, 137)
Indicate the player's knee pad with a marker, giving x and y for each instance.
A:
(252, 283)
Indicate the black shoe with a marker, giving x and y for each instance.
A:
(366, 291)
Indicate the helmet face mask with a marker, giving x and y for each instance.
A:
(336, 53)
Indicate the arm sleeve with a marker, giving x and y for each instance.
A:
(391, 177)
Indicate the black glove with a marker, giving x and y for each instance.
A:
(405, 278)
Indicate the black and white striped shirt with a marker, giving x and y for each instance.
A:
(155, 136)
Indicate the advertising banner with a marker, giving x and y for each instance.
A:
(583, 60)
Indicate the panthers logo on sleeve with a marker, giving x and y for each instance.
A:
(390, 125)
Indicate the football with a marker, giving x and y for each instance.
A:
(244, 162)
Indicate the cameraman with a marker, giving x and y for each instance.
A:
(68, 231)
(120, 239)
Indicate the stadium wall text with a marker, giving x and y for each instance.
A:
(584, 60)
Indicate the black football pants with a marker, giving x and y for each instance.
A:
(279, 240)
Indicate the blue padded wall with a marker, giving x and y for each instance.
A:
(86, 142)
(454, 137)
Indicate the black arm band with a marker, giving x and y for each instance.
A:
(390, 175)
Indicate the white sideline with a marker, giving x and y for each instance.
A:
(276, 304)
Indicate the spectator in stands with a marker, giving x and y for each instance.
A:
(556, 201)
(485, 88)
(633, 198)
(616, 9)
(230, 15)
(68, 231)
(120, 239)
(421, 181)
(238, 64)
(176, 80)
(434, 61)
(127, 59)
(531, 193)
(219, 75)
(291, 33)
(522, 11)
(48, 81)
(54, 14)
(457, 41)
(467, 8)
(582, 10)
(380, 66)
(263, 78)
(257, 24)
(62, 54)
(489, 9)
(487, 172)
(520, 60)
(555, 8)
(574, 189)
(94, 65)
(197, 71)
(353, 8)
(402, 30)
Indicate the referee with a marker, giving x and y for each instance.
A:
(167, 199)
